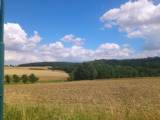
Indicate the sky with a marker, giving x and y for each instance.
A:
(80, 30)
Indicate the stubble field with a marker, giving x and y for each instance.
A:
(44, 74)
(116, 99)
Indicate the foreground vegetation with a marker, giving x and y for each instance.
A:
(116, 99)
(43, 112)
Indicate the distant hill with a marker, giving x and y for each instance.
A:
(66, 66)
(153, 62)
(108, 68)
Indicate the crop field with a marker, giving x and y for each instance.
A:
(115, 99)
(43, 73)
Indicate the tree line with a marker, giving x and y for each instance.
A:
(21, 79)
(102, 69)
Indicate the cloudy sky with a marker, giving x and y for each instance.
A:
(80, 30)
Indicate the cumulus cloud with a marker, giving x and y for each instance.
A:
(17, 39)
(139, 19)
(112, 51)
(21, 48)
(109, 46)
(73, 39)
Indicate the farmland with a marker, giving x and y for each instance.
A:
(44, 74)
(114, 99)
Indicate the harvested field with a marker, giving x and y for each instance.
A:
(42, 72)
(117, 99)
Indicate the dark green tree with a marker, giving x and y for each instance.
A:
(91, 71)
(79, 73)
(103, 70)
(16, 78)
(24, 78)
(84, 71)
(7, 79)
(33, 78)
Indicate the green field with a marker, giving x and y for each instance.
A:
(115, 99)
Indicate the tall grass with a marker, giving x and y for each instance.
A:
(47, 112)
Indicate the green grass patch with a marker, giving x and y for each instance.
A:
(53, 81)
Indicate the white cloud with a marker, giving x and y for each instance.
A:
(17, 39)
(73, 39)
(139, 19)
(21, 48)
(109, 46)
(15, 57)
(112, 51)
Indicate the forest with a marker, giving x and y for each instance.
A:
(101, 69)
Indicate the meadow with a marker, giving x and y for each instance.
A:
(114, 99)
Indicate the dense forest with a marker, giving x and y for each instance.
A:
(100, 69)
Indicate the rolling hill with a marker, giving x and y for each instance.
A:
(146, 67)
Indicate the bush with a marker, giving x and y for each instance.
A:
(24, 79)
(7, 79)
(16, 78)
(33, 78)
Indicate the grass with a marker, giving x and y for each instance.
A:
(43, 73)
(43, 112)
(53, 81)
(120, 99)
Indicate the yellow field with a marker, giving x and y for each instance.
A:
(135, 99)
(42, 72)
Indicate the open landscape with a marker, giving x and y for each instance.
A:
(80, 60)
(95, 90)
(44, 74)
(114, 99)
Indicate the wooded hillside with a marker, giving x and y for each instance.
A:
(100, 69)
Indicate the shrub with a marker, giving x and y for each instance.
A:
(7, 79)
(16, 78)
(33, 78)
(24, 78)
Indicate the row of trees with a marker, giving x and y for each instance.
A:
(21, 79)
(101, 70)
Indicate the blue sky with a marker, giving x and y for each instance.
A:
(54, 19)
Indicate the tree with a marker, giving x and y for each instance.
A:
(84, 71)
(16, 78)
(91, 71)
(103, 70)
(33, 78)
(79, 73)
(7, 79)
(24, 78)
